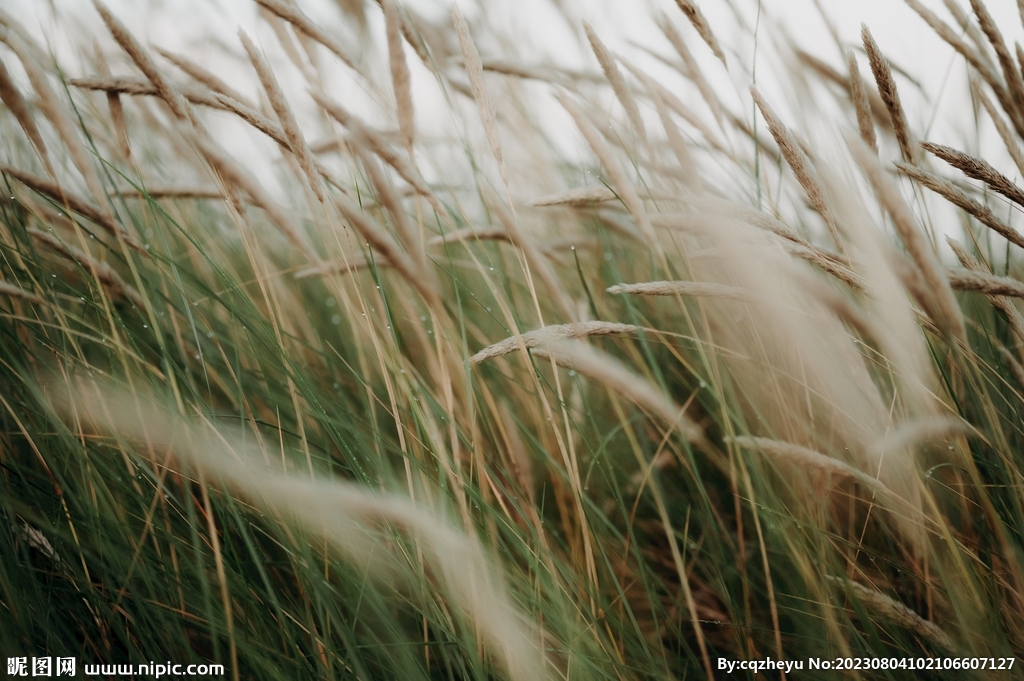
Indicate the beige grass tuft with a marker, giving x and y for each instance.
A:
(978, 169)
(550, 334)
(964, 279)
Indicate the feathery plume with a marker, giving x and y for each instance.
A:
(861, 103)
(700, 22)
(884, 607)
(978, 169)
(614, 76)
(890, 95)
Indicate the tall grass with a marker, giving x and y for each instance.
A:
(432, 409)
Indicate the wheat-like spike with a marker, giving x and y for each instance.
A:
(103, 272)
(890, 95)
(882, 606)
(798, 161)
(400, 78)
(237, 177)
(978, 169)
(299, 20)
(861, 103)
(12, 291)
(550, 334)
(614, 76)
(981, 282)
(1011, 75)
(625, 189)
(10, 96)
(918, 431)
(944, 307)
(698, 289)
(960, 198)
(74, 203)
(1005, 134)
(693, 70)
(203, 76)
(808, 458)
(296, 142)
(475, 71)
(700, 22)
(471, 234)
(1001, 303)
(141, 57)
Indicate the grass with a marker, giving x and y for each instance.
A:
(434, 410)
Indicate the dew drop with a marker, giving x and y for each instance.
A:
(335, 319)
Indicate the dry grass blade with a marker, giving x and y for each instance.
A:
(400, 78)
(943, 306)
(296, 18)
(203, 76)
(959, 198)
(470, 234)
(615, 376)
(551, 334)
(157, 191)
(625, 189)
(237, 177)
(700, 23)
(618, 83)
(981, 282)
(699, 289)
(880, 605)
(100, 270)
(296, 142)
(10, 96)
(74, 203)
(861, 103)
(798, 161)
(693, 70)
(978, 169)
(141, 57)
(12, 291)
(475, 71)
(577, 198)
(1011, 74)
(890, 95)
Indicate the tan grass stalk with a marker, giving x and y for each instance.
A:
(577, 198)
(12, 291)
(551, 334)
(74, 203)
(919, 431)
(1001, 303)
(470, 234)
(293, 15)
(978, 169)
(10, 96)
(963, 279)
(1005, 134)
(700, 22)
(691, 176)
(103, 272)
(475, 71)
(116, 107)
(387, 198)
(880, 605)
(1011, 74)
(961, 199)
(693, 70)
(53, 109)
(415, 275)
(800, 164)
(890, 95)
(602, 367)
(625, 189)
(141, 57)
(286, 40)
(168, 192)
(861, 103)
(236, 176)
(699, 289)
(944, 306)
(296, 142)
(618, 83)
(203, 76)
(675, 104)
(400, 79)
